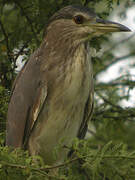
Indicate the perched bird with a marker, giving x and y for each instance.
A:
(52, 97)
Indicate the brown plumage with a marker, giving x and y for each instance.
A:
(52, 97)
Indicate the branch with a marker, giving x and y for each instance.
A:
(6, 40)
(95, 135)
(21, 50)
(108, 102)
(40, 170)
(114, 61)
(28, 19)
(68, 162)
(122, 83)
(37, 169)
(86, 2)
(120, 42)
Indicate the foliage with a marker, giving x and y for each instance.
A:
(106, 162)
(108, 153)
(4, 96)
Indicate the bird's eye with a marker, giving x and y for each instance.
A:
(79, 19)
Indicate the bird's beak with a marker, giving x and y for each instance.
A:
(105, 26)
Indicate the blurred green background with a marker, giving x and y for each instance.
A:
(22, 24)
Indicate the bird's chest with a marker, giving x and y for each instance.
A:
(71, 92)
(78, 79)
(73, 79)
(70, 97)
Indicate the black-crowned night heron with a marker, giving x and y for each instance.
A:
(52, 97)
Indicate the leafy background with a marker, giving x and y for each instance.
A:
(108, 151)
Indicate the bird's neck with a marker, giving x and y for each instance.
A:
(62, 49)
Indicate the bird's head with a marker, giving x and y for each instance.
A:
(81, 23)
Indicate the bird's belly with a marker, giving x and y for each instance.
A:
(57, 129)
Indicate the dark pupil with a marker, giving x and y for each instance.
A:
(78, 19)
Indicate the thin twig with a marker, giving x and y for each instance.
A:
(28, 19)
(114, 61)
(6, 40)
(37, 169)
(95, 135)
(124, 83)
(86, 2)
(108, 102)
(118, 43)
(69, 162)
(21, 50)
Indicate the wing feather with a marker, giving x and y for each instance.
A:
(87, 115)
(27, 98)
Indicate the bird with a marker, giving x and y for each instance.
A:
(52, 97)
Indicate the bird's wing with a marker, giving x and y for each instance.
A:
(17, 78)
(88, 111)
(28, 95)
(34, 111)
